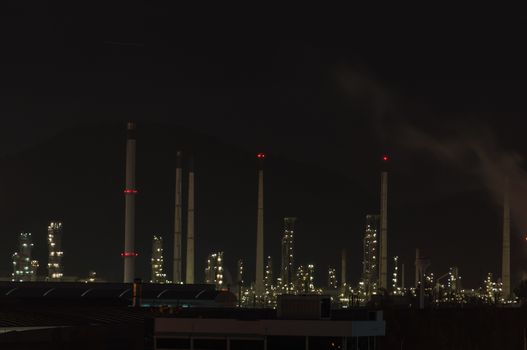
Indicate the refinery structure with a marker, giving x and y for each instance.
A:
(382, 276)
(24, 268)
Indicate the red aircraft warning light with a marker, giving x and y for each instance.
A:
(260, 155)
(385, 158)
(125, 254)
(130, 191)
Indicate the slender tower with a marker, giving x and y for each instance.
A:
(383, 275)
(259, 284)
(343, 268)
(129, 253)
(190, 225)
(416, 267)
(506, 245)
(177, 224)
(287, 273)
(402, 277)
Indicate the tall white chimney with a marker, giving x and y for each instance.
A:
(417, 257)
(177, 224)
(259, 285)
(130, 191)
(190, 225)
(506, 244)
(343, 271)
(383, 271)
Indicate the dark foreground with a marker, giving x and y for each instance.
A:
(456, 328)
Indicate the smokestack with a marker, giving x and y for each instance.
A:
(190, 225)
(402, 277)
(177, 224)
(383, 271)
(129, 253)
(259, 286)
(506, 244)
(343, 267)
(416, 267)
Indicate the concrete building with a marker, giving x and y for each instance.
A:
(301, 322)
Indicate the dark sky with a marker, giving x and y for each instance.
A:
(444, 97)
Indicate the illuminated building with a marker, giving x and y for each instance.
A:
(55, 251)
(491, 291)
(300, 283)
(311, 278)
(286, 273)
(305, 279)
(240, 282)
(268, 276)
(332, 278)
(239, 275)
(34, 269)
(269, 296)
(214, 270)
(370, 274)
(24, 269)
(157, 261)
(396, 289)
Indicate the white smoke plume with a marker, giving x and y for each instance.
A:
(475, 150)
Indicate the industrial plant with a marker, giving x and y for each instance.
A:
(288, 277)
(382, 279)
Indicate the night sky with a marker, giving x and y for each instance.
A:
(444, 98)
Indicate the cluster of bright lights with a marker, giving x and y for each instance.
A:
(92, 277)
(214, 270)
(332, 278)
(287, 275)
(55, 252)
(269, 297)
(158, 276)
(24, 269)
(396, 289)
(370, 274)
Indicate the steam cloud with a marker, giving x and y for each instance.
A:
(471, 148)
(475, 150)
